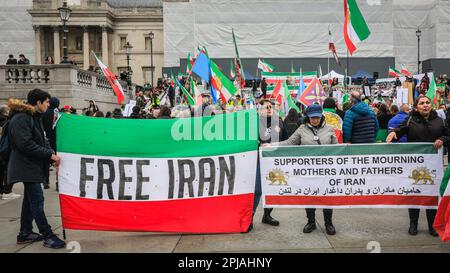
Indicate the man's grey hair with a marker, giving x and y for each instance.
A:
(3, 108)
(405, 107)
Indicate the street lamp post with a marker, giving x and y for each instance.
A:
(64, 13)
(128, 48)
(418, 34)
(151, 35)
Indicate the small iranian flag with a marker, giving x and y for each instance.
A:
(117, 88)
(265, 67)
(221, 83)
(405, 71)
(332, 47)
(431, 93)
(232, 70)
(394, 72)
(196, 92)
(442, 220)
(190, 63)
(189, 97)
(355, 27)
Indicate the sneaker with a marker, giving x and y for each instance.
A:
(28, 238)
(53, 241)
(9, 196)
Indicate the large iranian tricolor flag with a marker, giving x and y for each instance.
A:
(442, 220)
(186, 175)
(355, 27)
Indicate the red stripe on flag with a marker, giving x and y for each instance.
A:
(351, 47)
(219, 214)
(352, 200)
(442, 220)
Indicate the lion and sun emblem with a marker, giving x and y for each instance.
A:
(277, 176)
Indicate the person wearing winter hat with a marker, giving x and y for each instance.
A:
(315, 131)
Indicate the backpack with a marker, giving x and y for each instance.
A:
(5, 145)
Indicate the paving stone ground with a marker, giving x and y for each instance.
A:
(357, 230)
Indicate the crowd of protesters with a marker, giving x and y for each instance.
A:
(359, 120)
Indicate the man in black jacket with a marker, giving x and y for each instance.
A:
(11, 59)
(263, 88)
(28, 162)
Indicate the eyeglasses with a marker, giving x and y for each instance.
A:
(267, 107)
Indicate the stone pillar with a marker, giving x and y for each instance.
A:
(86, 51)
(37, 45)
(105, 50)
(56, 45)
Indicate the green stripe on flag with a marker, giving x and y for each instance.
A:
(226, 86)
(357, 21)
(343, 150)
(237, 132)
(444, 182)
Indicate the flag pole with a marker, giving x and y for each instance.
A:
(346, 73)
(328, 54)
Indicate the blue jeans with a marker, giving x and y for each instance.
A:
(33, 208)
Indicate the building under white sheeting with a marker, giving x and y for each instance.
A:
(299, 29)
(16, 31)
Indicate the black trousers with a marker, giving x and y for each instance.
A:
(327, 215)
(414, 216)
(4, 188)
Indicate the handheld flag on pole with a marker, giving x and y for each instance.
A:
(189, 64)
(239, 67)
(431, 93)
(202, 67)
(394, 72)
(196, 92)
(314, 93)
(332, 47)
(405, 71)
(301, 86)
(221, 83)
(189, 97)
(232, 70)
(117, 88)
(355, 27)
(264, 66)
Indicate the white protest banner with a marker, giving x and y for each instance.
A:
(367, 91)
(338, 95)
(348, 176)
(402, 95)
(153, 175)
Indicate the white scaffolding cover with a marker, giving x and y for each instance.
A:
(299, 28)
(16, 31)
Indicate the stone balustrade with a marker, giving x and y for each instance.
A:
(73, 86)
